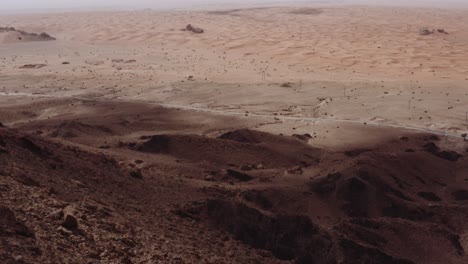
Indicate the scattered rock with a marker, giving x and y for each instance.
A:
(288, 237)
(355, 152)
(23, 35)
(94, 62)
(431, 148)
(28, 181)
(246, 167)
(122, 61)
(3, 149)
(64, 231)
(72, 129)
(45, 36)
(209, 178)
(281, 219)
(239, 175)
(460, 195)
(70, 221)
(136, 174)
(441, 30)
(56, 214)
(9, 224)
(429, 196)
(259, 167)
(296, 170)
(193, 29)
(303, 137)
(156, 144)
(31, 146)
(447, 155)
(326, 184)
(7, 29)
(32, 66)
(244, 136)
(258, 198)
(425, 31)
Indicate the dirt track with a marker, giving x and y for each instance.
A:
(253, 115)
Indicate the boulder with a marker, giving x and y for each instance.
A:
(239, 175)
(429, 196)
(193, 29)
(33, 66)
(46, 36)
(136, 174)
(441, 30)
(425, 31)
(70, 221)
(304, 137)
(444, 154)
(449, 155)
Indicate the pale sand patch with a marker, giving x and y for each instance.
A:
(367, 64)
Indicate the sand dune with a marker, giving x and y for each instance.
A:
(371, 60)
(369, 35)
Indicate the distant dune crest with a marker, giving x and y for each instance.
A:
(12, 35)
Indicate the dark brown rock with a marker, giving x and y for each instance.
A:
(460, 195)
(429, 196)
(136, 174)
(70, 221)
(239, 175)
(193, 29)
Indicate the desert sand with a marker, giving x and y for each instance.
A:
(328, 134)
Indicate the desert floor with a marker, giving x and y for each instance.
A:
(343, 80)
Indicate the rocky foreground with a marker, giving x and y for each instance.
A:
(244, 197)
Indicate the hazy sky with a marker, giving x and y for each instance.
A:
(32, 4)
(46, 4)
